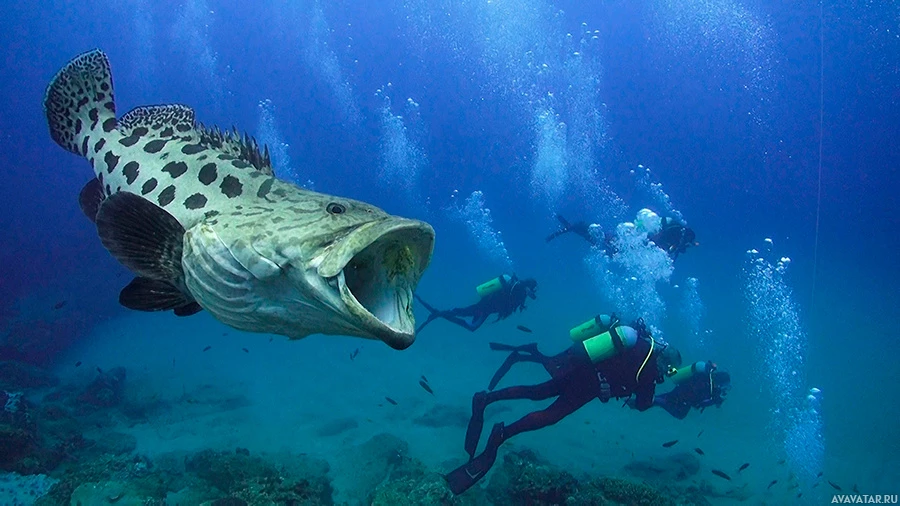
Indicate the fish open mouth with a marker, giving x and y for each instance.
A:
(378, 281)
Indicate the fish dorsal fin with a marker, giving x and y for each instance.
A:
(141, 236)
(145, 294)
(90, 198)
(242, 147)
(157, 121)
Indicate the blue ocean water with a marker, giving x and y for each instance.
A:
(750, 120)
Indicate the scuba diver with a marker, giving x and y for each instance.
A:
(607, 360)
(581, 229)
(673, 237)
(503, 295)
(669, 234)
(699, 386)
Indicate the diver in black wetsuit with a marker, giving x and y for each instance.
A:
(503, 295)
(703, 386)
(608, 360)
(674, 238)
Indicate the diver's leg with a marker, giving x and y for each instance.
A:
(675, 407)
(481, 400)
(454, 316)
(567, 403)
(556, 234)
(468, 474)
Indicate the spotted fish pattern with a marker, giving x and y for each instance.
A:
(157, 152)
(247, 234)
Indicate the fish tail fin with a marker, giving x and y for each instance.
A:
(79, 102)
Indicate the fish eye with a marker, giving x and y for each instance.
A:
(335, 208)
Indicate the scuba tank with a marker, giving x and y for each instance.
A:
(679, 376)
(648, 221)
(492, 286)
(610, 343)
(593, 327)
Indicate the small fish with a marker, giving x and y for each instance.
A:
(799, 495)
(670, 444)
(816, 484)
(354, 353)
(523, 328)
(392, 401)
(834, 485)
(855, 489)
(60, 304)
(78, 363)
(745, 465)
(245, 350)
(270, 339)
(207, 348)
(781, 461)
(423, 378)
(792, 487)
(700, 433)
(699, 451)
(819, 475)
(720, 474)
(773, 482)
(99, 371)
(426, 387)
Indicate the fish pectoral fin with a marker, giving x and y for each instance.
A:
(158, 121)
(90, 198)
(188, 309)
(141, 236)
(145, 294)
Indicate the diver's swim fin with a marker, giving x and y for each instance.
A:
(435, 314)
(466, 475)
(476, 423)
(563, 221)
(527, 348)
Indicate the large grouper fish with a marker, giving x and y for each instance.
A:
(199, 217)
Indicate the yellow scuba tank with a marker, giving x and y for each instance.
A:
(610, 343)
(492, 286)
(595, 326)
(680, 376)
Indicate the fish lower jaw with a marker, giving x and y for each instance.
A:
(382, 309)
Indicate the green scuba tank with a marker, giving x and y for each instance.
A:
(595, 326)
(685, 373)
(610, 343)
(492, 286)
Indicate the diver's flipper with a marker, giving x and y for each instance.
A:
(470, 473)
(527, 348)
(501, 372)
(90, 198)
(435, 314)
(141, 236)
(563, 221)
(476, 423)
(145, 294)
